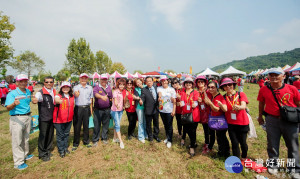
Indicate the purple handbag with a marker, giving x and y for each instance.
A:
(217, 123)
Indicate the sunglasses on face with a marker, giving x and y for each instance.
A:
(174, 83)
(48, 82)
(227, 85)
(129, 83)
(211, 87)
(200, 82)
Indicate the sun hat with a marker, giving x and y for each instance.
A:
(188, 79)
(164, 77)
(83, 75)
(276, 71)
(201, 77)
(22, 77)
(227, 81)
(65, 83)
(103, 76)
(297, 76)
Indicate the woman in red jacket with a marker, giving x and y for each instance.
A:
(217, 106)
(189, 104)
(63, 116)
(236, 116)
(209, 135)
(131, 113)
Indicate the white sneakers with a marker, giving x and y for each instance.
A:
(166, 141)
(143, 141)
(122, 145)
(116, 140)
(169, 144)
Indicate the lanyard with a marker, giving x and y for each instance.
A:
(234, 99)
(188, 97)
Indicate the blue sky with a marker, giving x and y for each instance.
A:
(172, 34)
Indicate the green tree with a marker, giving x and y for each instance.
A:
(63, 74)
(117, 66)
(80, 58)
(6, 28)
(3, 72)
(28, 62)
(139, 71)
(103, 63)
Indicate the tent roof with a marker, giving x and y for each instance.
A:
(286, 67)
(208, 71)
(297, 65)
(152, 73)
(232, 71)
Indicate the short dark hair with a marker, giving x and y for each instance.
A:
(148, 77)
(120, 81)
(215, 83)
(48, 77)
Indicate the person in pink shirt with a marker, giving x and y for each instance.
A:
(117, 110)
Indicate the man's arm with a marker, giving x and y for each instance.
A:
(261, 107)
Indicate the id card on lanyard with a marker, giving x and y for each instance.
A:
(189, 100)
(233, 113)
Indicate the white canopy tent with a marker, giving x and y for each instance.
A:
(231, 71)
(208, 71)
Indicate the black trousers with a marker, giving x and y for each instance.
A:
(101, 116)
(3, 100)
(132, 118)
(191, 131)
(46, 136)
(168, 123)
(209, 135)
(81, 116)
(179, 125)
(149, 119)
(238, 136)
(223, 144)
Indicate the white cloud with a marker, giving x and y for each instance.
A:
(259, 31)
(172, 10)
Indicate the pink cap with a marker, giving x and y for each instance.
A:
(103, 76)
(21, 77)
(201, 77)
(227, 81)
(83, 75)
(164, 77)
(65, 83)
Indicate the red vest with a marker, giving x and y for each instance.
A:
(64, 112)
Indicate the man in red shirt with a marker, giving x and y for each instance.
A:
(297, 82)
(275, 127)
(12, 86)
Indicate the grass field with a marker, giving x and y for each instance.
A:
(137, 160)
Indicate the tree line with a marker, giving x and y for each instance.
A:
(263, 61)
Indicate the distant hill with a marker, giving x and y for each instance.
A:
(263, 61)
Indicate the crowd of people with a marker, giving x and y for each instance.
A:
(191, 101)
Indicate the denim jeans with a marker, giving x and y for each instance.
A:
(142, 133)
(62, 135)
(117, 115)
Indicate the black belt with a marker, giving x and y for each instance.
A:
(85, 106)
(22, 114)
(102, 108)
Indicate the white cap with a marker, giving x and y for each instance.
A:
(21, 77)
(103, 76)
(83, 75)
(65, 83)
(276, 71)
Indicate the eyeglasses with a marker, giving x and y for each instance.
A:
(48, 82)
(227, 85)
(211, 87)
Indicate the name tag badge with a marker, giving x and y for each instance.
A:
(132, 103)
(233, 116)
(188, 107)
(182, 103)
(100, 92)
(202, 106)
